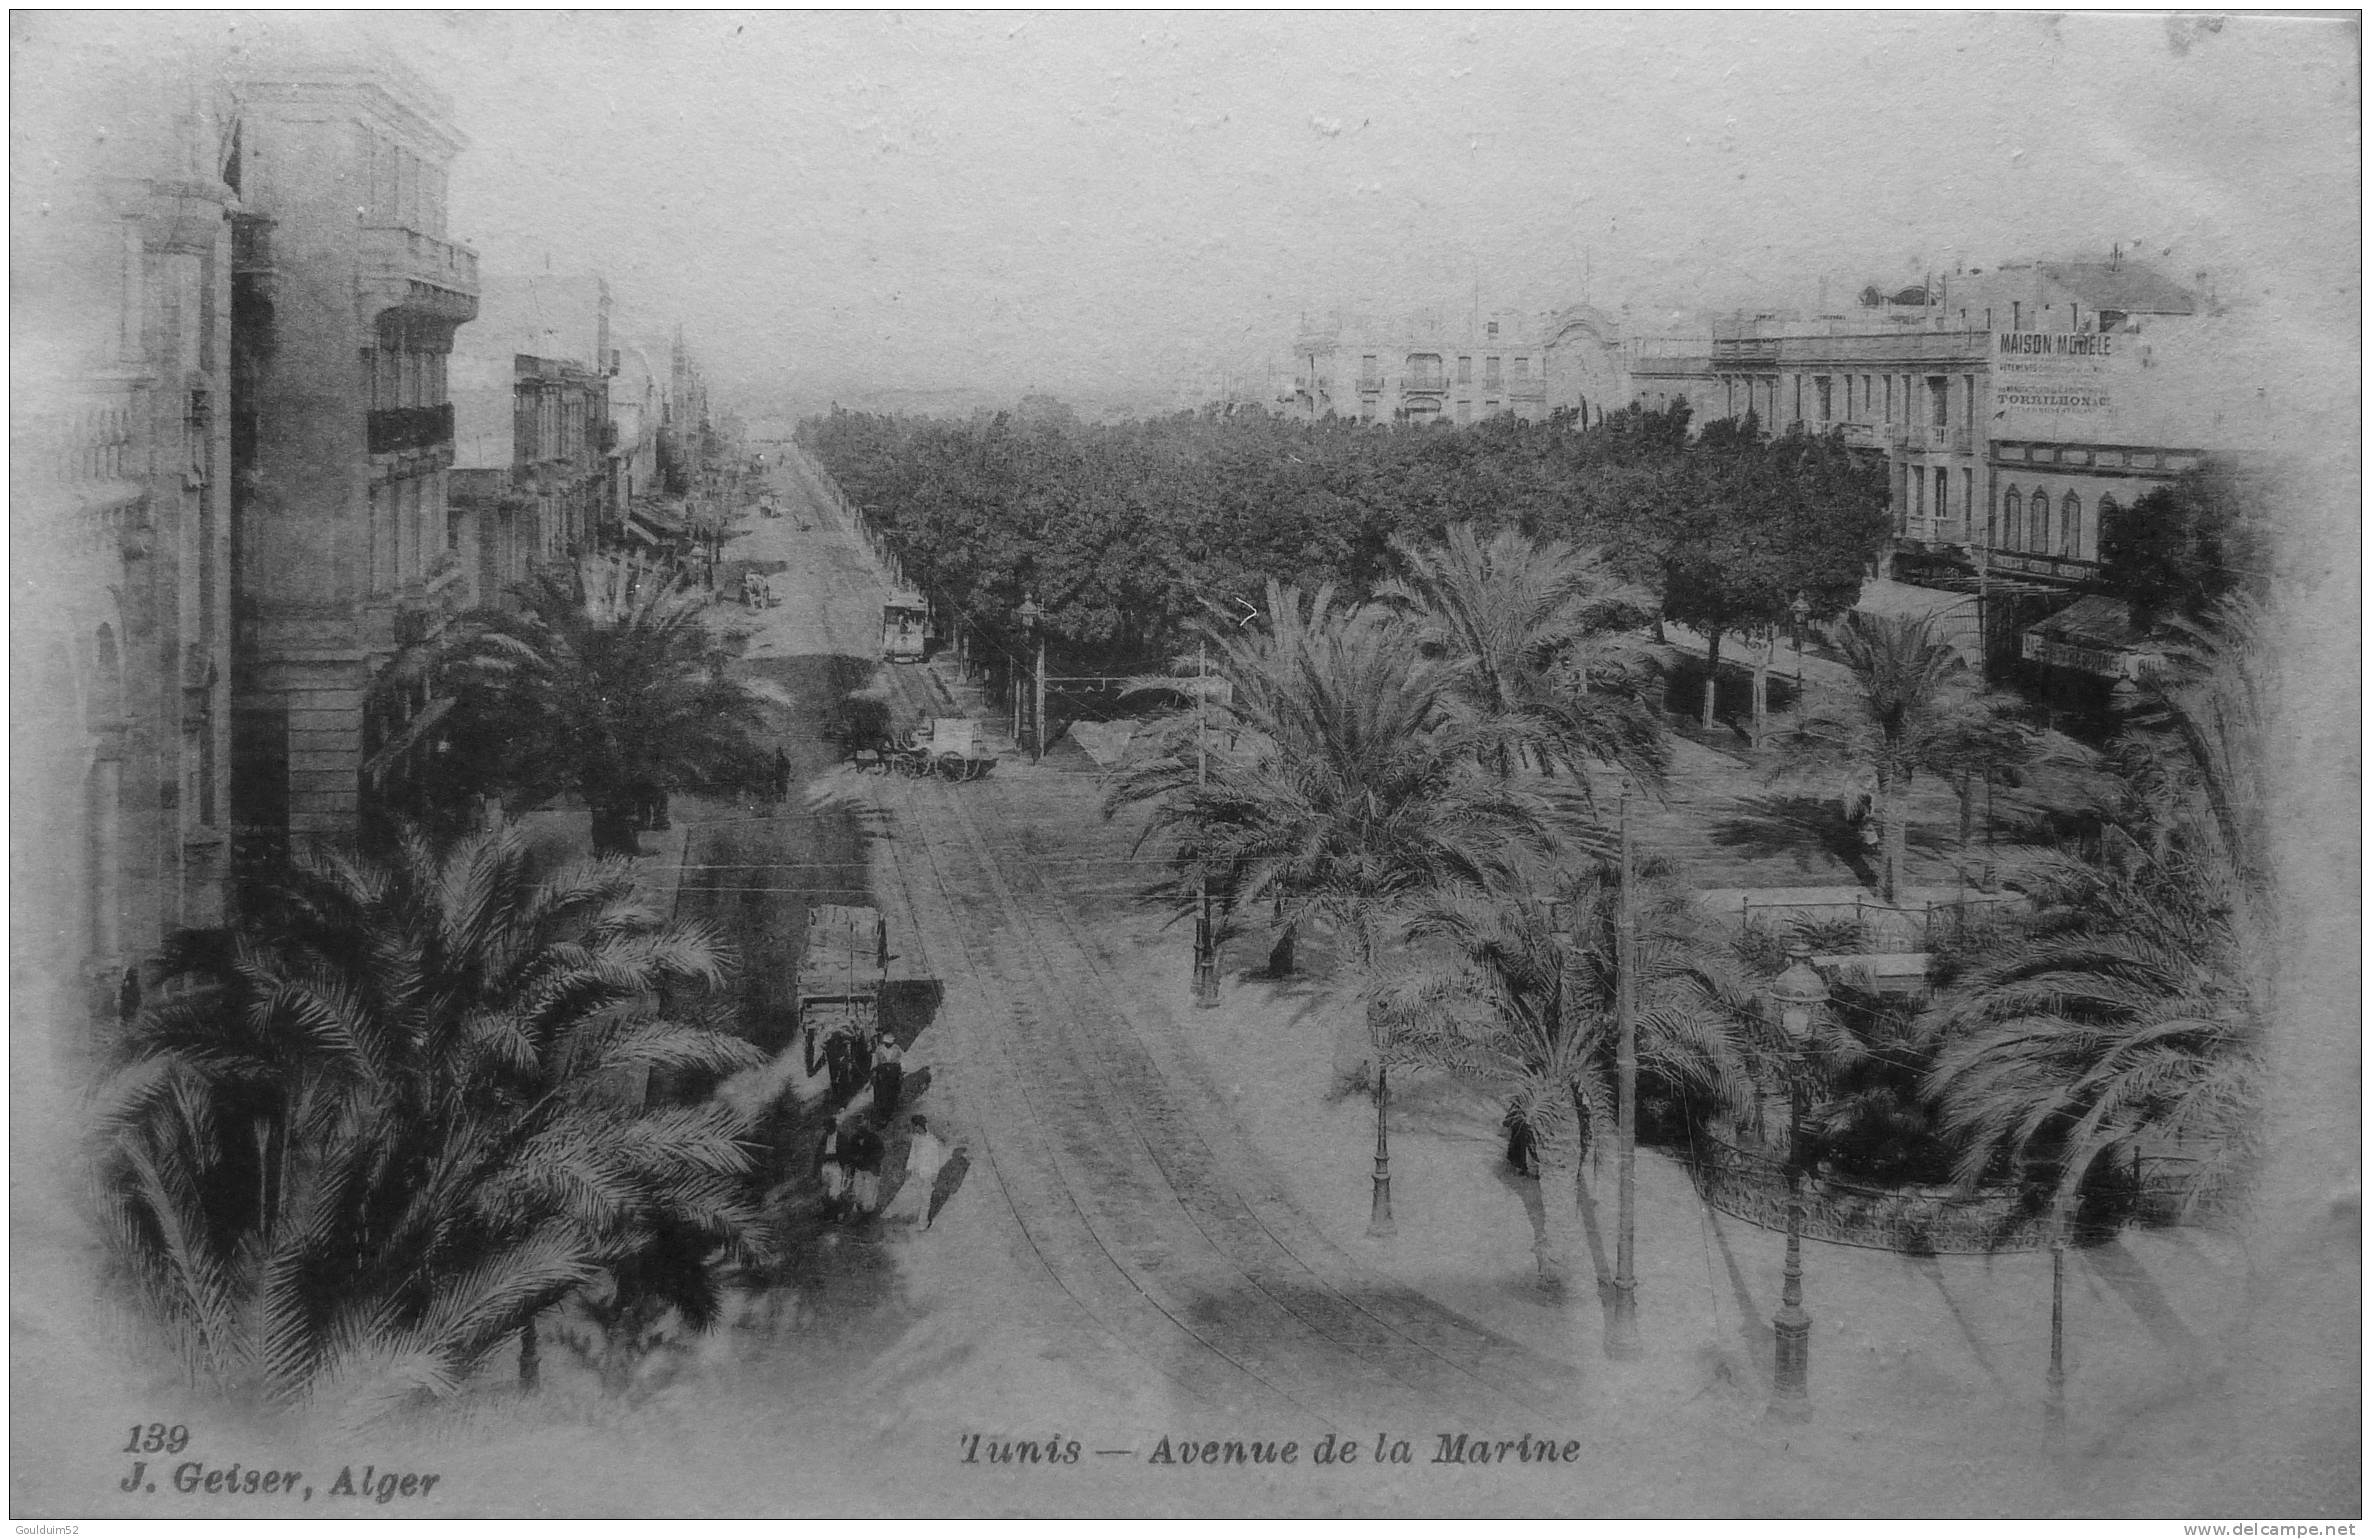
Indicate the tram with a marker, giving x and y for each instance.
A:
(905, 624)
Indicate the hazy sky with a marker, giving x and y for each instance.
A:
(1090, 203)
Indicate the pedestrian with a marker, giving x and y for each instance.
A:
(781, 774)
(861, 1147)
(831, 1168)
(926, 1156)
(860, 1062)
(837, 1050)
(889, 1076)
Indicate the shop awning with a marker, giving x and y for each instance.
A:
(639, 527)
(2094, 635)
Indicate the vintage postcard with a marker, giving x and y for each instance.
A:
(1406, 764)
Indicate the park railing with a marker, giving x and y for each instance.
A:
(1751, 1184)
(1883, 928)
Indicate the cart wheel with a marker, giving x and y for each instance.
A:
(950, 767)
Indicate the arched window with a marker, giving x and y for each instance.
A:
(2070, 524)
(2012, 519)
(2107, 510)
(2037, 522)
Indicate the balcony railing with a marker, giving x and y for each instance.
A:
(438, 272)
(1866, 435)
(1426, 384)
(82, 456)
(400, 429)
(1371, 385)
(1936, 439)
(251, 244)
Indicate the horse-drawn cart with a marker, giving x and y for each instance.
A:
(954, 748)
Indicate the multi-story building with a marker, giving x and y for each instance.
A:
(531, 478)
(121, 529)
(686, 432)
(637, 405)
(1427, 369)
(1967, 386)
(348, 293)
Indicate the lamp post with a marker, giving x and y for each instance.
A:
(2054, 1404)
(1032, 616)
(1797, 994)
(1205, 933)
(1800, 612)
(1621, 1324)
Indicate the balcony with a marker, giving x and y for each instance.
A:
(1934, 438)
(81, 457)
(1371, 385)
(251, 246)
(406, 269)
(1867, 435)
(1425, 384)
(402, 429)
(1879, 350)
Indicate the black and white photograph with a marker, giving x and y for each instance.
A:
(1237, 764)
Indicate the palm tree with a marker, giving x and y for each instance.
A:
(1354, 795)
(1536, 629)
(1916, 706)
(557, 696)
(1520, 993)
(403, 1115)
(2115, 1024)
(2128, 1014)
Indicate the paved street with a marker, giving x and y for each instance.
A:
(1161, 1228)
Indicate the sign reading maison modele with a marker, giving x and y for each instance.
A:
(2053, 384)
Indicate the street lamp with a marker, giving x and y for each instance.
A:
(1033, 617)
(2054, 1403)
(1800, 612)
(1797, 995)
(1205, 932)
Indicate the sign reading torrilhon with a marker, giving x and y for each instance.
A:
(2058, 384)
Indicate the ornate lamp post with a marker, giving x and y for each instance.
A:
(1205, 931)
(1800, 612)
(2054, 1402)
(1032, 616)
(1797, 994)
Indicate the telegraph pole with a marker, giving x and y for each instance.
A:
(1621, 1327)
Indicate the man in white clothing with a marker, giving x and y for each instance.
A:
(926, 1156)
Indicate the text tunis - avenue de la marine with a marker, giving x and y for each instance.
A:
(1332, 1449)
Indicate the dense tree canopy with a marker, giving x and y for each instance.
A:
(2175, 552)
(1122, 531)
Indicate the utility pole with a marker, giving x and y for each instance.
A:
(1621, 1326)
(1041, 696)
(1205, 936)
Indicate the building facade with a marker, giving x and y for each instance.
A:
(531, 481)
(120, 625)
(348, 294)
(1420, 370)
(2016, 410)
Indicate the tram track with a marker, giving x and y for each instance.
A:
(1115, 1163)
